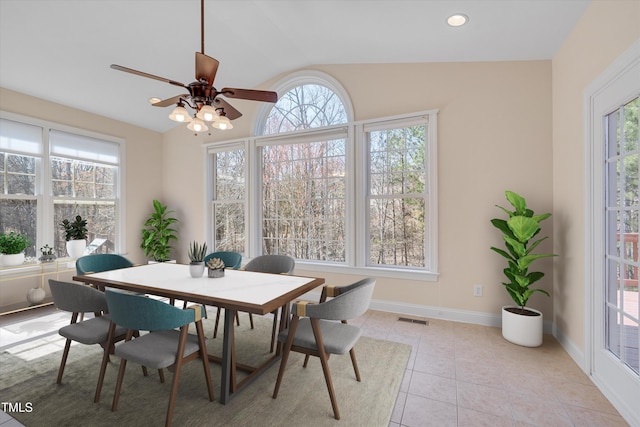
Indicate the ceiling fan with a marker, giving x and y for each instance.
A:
(202, 96)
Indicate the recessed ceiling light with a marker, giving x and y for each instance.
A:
(457, 20)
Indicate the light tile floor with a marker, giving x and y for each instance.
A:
(467, 375)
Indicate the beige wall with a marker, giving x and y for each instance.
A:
(144, 156)
(494, 131)
(605, 31)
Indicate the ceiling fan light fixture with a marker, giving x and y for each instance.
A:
(222, 123)
(457, 19)
(197, 125)
(180, 114)
(207, 113)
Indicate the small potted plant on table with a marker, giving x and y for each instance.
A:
(216, 267)
(197, 253)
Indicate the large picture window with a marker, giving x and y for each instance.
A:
(328, 191)
(49, 175)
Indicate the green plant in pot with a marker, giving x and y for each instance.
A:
(196, 254)
(75, 233)
(518, 232)
(12, 246)
(159, 233)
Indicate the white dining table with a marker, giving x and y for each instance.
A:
(237, 290)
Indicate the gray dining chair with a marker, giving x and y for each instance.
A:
(274, 264)
(322, 329)
(76, 298)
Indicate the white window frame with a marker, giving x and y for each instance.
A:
(45, 199)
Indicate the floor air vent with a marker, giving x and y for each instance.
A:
(419, 322)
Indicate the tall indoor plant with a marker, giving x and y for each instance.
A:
(158, 233)
(518, 230)
(75, 233)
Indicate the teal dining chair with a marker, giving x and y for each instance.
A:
(167, 344)
(231, 260)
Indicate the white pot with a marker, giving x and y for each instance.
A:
(35, 295)
(75, 248)
(522, 329)
(10, 260)
(196, 269)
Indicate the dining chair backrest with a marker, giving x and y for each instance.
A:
(231, 259)
(138, 312)
(348, 305)
(76, 298)
(101, 262)
(278, 264)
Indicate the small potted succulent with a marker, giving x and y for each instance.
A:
(216, 267)
(197, 253)
(47, 254)
(12, 246)
(75, 233)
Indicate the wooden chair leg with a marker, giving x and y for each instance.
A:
(215, 328)
(205, 359)
(306, 360)
(63, 362)
(237, 319)
(176, 374)
(161, 375)
(108, 347)
(251, 320)
(285, 353)
(116, 395)
(352, 353)
(325, 366)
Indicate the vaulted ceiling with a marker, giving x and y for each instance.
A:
(61, 50)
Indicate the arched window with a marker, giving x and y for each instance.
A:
(307, 100)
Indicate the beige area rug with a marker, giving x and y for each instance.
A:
(303, 399)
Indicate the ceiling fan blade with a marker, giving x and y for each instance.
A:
(250, 94)
(150, 76)
(206, 67)
(170, 101)
(229, 111)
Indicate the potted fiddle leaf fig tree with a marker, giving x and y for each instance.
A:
(75, 233)
(158, 233)
(521, 324)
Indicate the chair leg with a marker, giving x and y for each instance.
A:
(105, 360)
(251, 320)
(176, 374)
(274, 328)
(67, 345)
(116, 395)
(237, 319)
(285, 353)
(161, 374)
(325, 366)
(215, 327)
(205, 358)
(306, 360)
(352, 353)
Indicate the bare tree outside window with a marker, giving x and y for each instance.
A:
(229, 201)
(397, 199)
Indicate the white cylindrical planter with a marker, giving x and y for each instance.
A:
(75, 248)
(10, 260)
(196, 269)
(525, 330)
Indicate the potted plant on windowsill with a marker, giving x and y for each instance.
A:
(158, 233)
(12, 246)
(520, 324)
(75, 233)
(197, 253)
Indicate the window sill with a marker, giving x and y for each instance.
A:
(395, 273)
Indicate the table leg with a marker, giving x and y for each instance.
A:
(228, 363)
